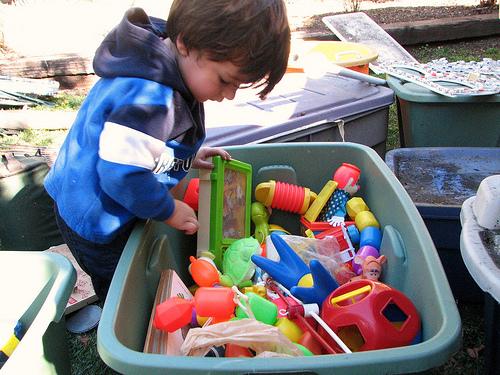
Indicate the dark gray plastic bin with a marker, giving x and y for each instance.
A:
(303, 109)
(439, 180)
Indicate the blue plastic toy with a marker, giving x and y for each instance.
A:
(370, 236)
(295, 275)
(323, 285)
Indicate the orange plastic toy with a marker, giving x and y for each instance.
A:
(203, 271)
(283, 196)
(176, 312)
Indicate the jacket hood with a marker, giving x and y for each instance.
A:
(136, 48)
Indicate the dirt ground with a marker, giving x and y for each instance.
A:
(393, 14)
(388, 15)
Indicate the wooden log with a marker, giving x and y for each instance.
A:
(70, 70)
(46, 66)
(417, 32)
(427, 31)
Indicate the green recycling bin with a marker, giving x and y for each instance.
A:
(35, 289)
(427, 119)
(414, 269)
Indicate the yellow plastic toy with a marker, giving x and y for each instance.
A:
(356, 205)
(283, 196)
(315, 209)
(290, 329)
(366, 219)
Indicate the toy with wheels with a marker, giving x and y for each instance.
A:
(369, 315)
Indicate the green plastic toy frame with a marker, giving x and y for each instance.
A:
(230, 185)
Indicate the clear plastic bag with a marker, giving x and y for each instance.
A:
(326, 250)
(249, 333)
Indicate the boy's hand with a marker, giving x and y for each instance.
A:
(183, 218)
(201, 162)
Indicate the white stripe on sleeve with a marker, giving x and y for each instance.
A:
(123, 145)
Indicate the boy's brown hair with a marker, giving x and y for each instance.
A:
(252, 34)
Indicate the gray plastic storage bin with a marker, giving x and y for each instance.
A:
(439, 180)
(302, 109)
(414, 268)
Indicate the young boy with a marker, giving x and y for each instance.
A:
(141, 126)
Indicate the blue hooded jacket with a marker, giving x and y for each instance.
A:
(134, 137)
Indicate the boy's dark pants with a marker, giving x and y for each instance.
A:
(99, 261)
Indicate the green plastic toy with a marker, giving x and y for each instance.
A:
(264, 310)
(237, 265)
(260, 217)
(224, 206)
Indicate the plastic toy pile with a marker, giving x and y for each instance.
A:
(272, 293)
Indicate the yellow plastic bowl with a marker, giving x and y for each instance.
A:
(354, 56)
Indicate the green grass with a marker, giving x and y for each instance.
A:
(63, 101)
(463, 362)
(392, 140)
(84, 356)
(35, 137)
(458, 51)
(428, 52)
